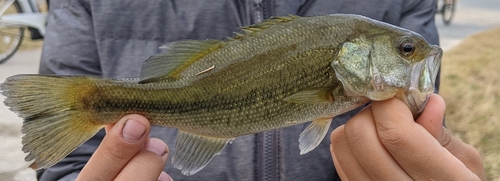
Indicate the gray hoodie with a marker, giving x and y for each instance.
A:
(111, 38)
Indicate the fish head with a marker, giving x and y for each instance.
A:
(386, 62)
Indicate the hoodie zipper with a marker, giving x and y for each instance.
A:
(268, 166)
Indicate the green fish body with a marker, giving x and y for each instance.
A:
(282, 72)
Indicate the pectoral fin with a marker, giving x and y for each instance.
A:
(319, 95)
(193, 152)
(313, 134)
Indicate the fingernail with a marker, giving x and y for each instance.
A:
(156, 146)
(133, 130)
(165, 177)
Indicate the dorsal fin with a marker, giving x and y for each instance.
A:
(179, 56)
(249, 30)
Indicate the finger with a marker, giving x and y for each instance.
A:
(361, 136)
(148, 163)
(432, 116)
(164, 177)
(464, 152)
(346, 165)
(415, 149)
(122, 141)
(338, 167)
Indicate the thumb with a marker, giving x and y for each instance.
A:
(432, 120)
(122, 141)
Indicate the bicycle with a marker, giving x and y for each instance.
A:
(15, 17)
(447, 9)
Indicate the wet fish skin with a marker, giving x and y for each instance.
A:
(282, 72)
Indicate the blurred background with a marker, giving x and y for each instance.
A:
(470, 84)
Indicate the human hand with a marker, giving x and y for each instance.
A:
(127, 153)
(383, 142)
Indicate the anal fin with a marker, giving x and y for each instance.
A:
(193, 152)
(313, 134)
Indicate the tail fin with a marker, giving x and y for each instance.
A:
(54, 123)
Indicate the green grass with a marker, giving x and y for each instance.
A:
(470, 85)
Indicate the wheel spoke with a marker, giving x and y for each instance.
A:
(10, 35)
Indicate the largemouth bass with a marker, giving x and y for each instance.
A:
(282, 72)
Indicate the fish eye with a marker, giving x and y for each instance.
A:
(407, 47)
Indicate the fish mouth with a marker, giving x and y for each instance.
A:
(422, 81)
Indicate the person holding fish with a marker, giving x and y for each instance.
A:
(232, 106)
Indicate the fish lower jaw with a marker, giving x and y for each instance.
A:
(415, 100)
(379, 96)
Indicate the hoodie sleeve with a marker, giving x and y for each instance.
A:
(419, 16)
(69, 45)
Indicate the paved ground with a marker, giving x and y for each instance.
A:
(472, 16)
(12, 165)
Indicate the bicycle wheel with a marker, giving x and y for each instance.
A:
(10, 37)
(448, 11)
